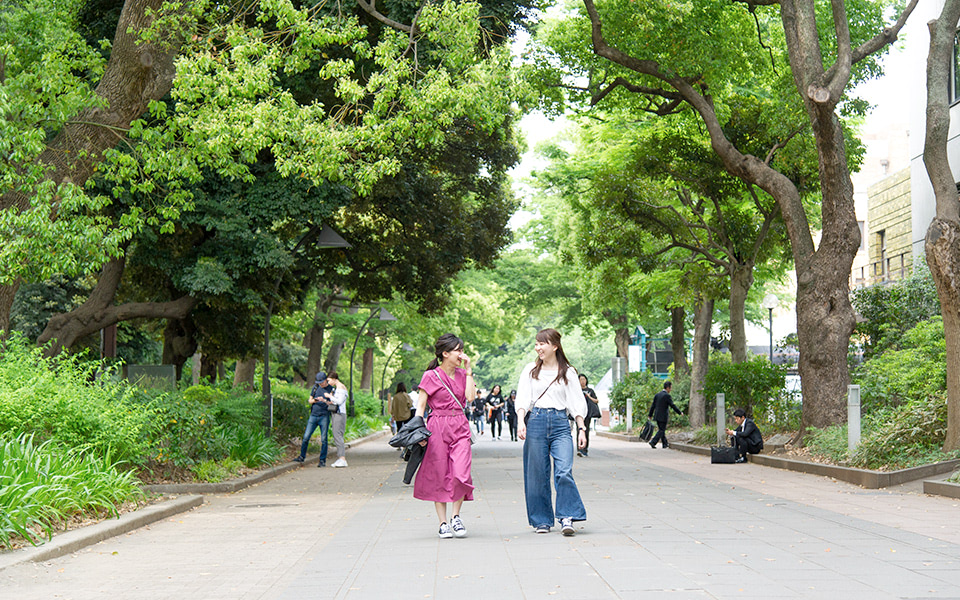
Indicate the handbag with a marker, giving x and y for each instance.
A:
(724, 455)
(473, 437)
(593, 410)
(646, 432)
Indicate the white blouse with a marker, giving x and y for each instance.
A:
(563, 396)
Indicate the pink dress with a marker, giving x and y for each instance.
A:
(444, 474)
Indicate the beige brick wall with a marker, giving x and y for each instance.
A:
(889, 211)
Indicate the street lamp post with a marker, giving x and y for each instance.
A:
(384, 315)
(770, 302)
(326, 238)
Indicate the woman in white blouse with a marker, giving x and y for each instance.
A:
(549, 391)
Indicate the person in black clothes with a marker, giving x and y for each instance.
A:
(479, 408)
(660, 412)
(746, 438)
(512, 414)
(593, 411)
(495, 404)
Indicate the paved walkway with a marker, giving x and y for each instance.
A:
(659, 522)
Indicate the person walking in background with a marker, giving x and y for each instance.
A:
(494, 404)
(444, 476)
(479, 412)
(339, 399)
(319, 417)
(593, 410)
(401, 406)
(548, 391)
(511, 408)
(660, 412)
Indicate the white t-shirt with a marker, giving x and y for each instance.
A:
(340, 399)
(563, 396)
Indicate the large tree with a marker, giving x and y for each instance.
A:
(942, 243)
(222, 65)
(701, 55)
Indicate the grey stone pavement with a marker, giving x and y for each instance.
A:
(660, 523)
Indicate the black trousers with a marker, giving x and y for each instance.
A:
(661, 434)
(512, 422)
(743, 447)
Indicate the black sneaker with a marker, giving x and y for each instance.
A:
(298, 459)
(322, 463)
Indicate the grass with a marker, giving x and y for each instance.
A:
(42, 486)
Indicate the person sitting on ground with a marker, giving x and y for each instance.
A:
(746, 438)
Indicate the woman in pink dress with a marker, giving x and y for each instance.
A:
(444, 475)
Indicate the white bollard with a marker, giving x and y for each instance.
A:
(629, 414)
(853, 417)
(721, 419)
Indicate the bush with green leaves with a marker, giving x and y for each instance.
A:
(889, 311)
(43, 485)
(912, 368)
(73, 401)
(756, 385)
(640, 387)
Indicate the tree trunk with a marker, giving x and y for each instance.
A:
(366, 371)
(942, 244)
(313, 340)
(741, 279)
(179, 343)
(678, 339)
(209, 369)
(7, 294)
(333, 357)
(98, 311)
(702, 324)
(245, 374)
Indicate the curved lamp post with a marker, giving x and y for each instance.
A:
(326, 238)
(384, 315)
(406, 348)
(770, 302)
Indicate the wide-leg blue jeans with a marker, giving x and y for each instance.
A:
(323, 422)
(549, 441)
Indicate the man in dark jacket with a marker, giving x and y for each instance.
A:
(746, 438)
(319, 417)
(660, 412)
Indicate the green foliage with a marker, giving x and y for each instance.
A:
(290, 410)
(215, 471)
(907, 436)
(54, 398)
(45, 484)
(640, 387)
(705, 436)
(755, 386)
(365, 403)
(911, 368)
(890, 310)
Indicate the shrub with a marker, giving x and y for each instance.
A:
(907, 436)
(913, 368)
(71, 400)
(639, 387)
(755, 386)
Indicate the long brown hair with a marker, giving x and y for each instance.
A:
(552, 336)
(445, 343)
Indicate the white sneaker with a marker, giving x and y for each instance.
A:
(445, 532)
(341, 462)
(457, 525)
(566, 526)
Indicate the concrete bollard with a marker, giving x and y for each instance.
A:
(629, 414)
(721, 419)
(853, 417)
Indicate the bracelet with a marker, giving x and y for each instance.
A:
(469, 374)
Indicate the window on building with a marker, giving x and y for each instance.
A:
(863, 234)
(955, 71)
(881, 269)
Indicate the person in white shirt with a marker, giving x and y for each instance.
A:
(549, 391)
(339, 398)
